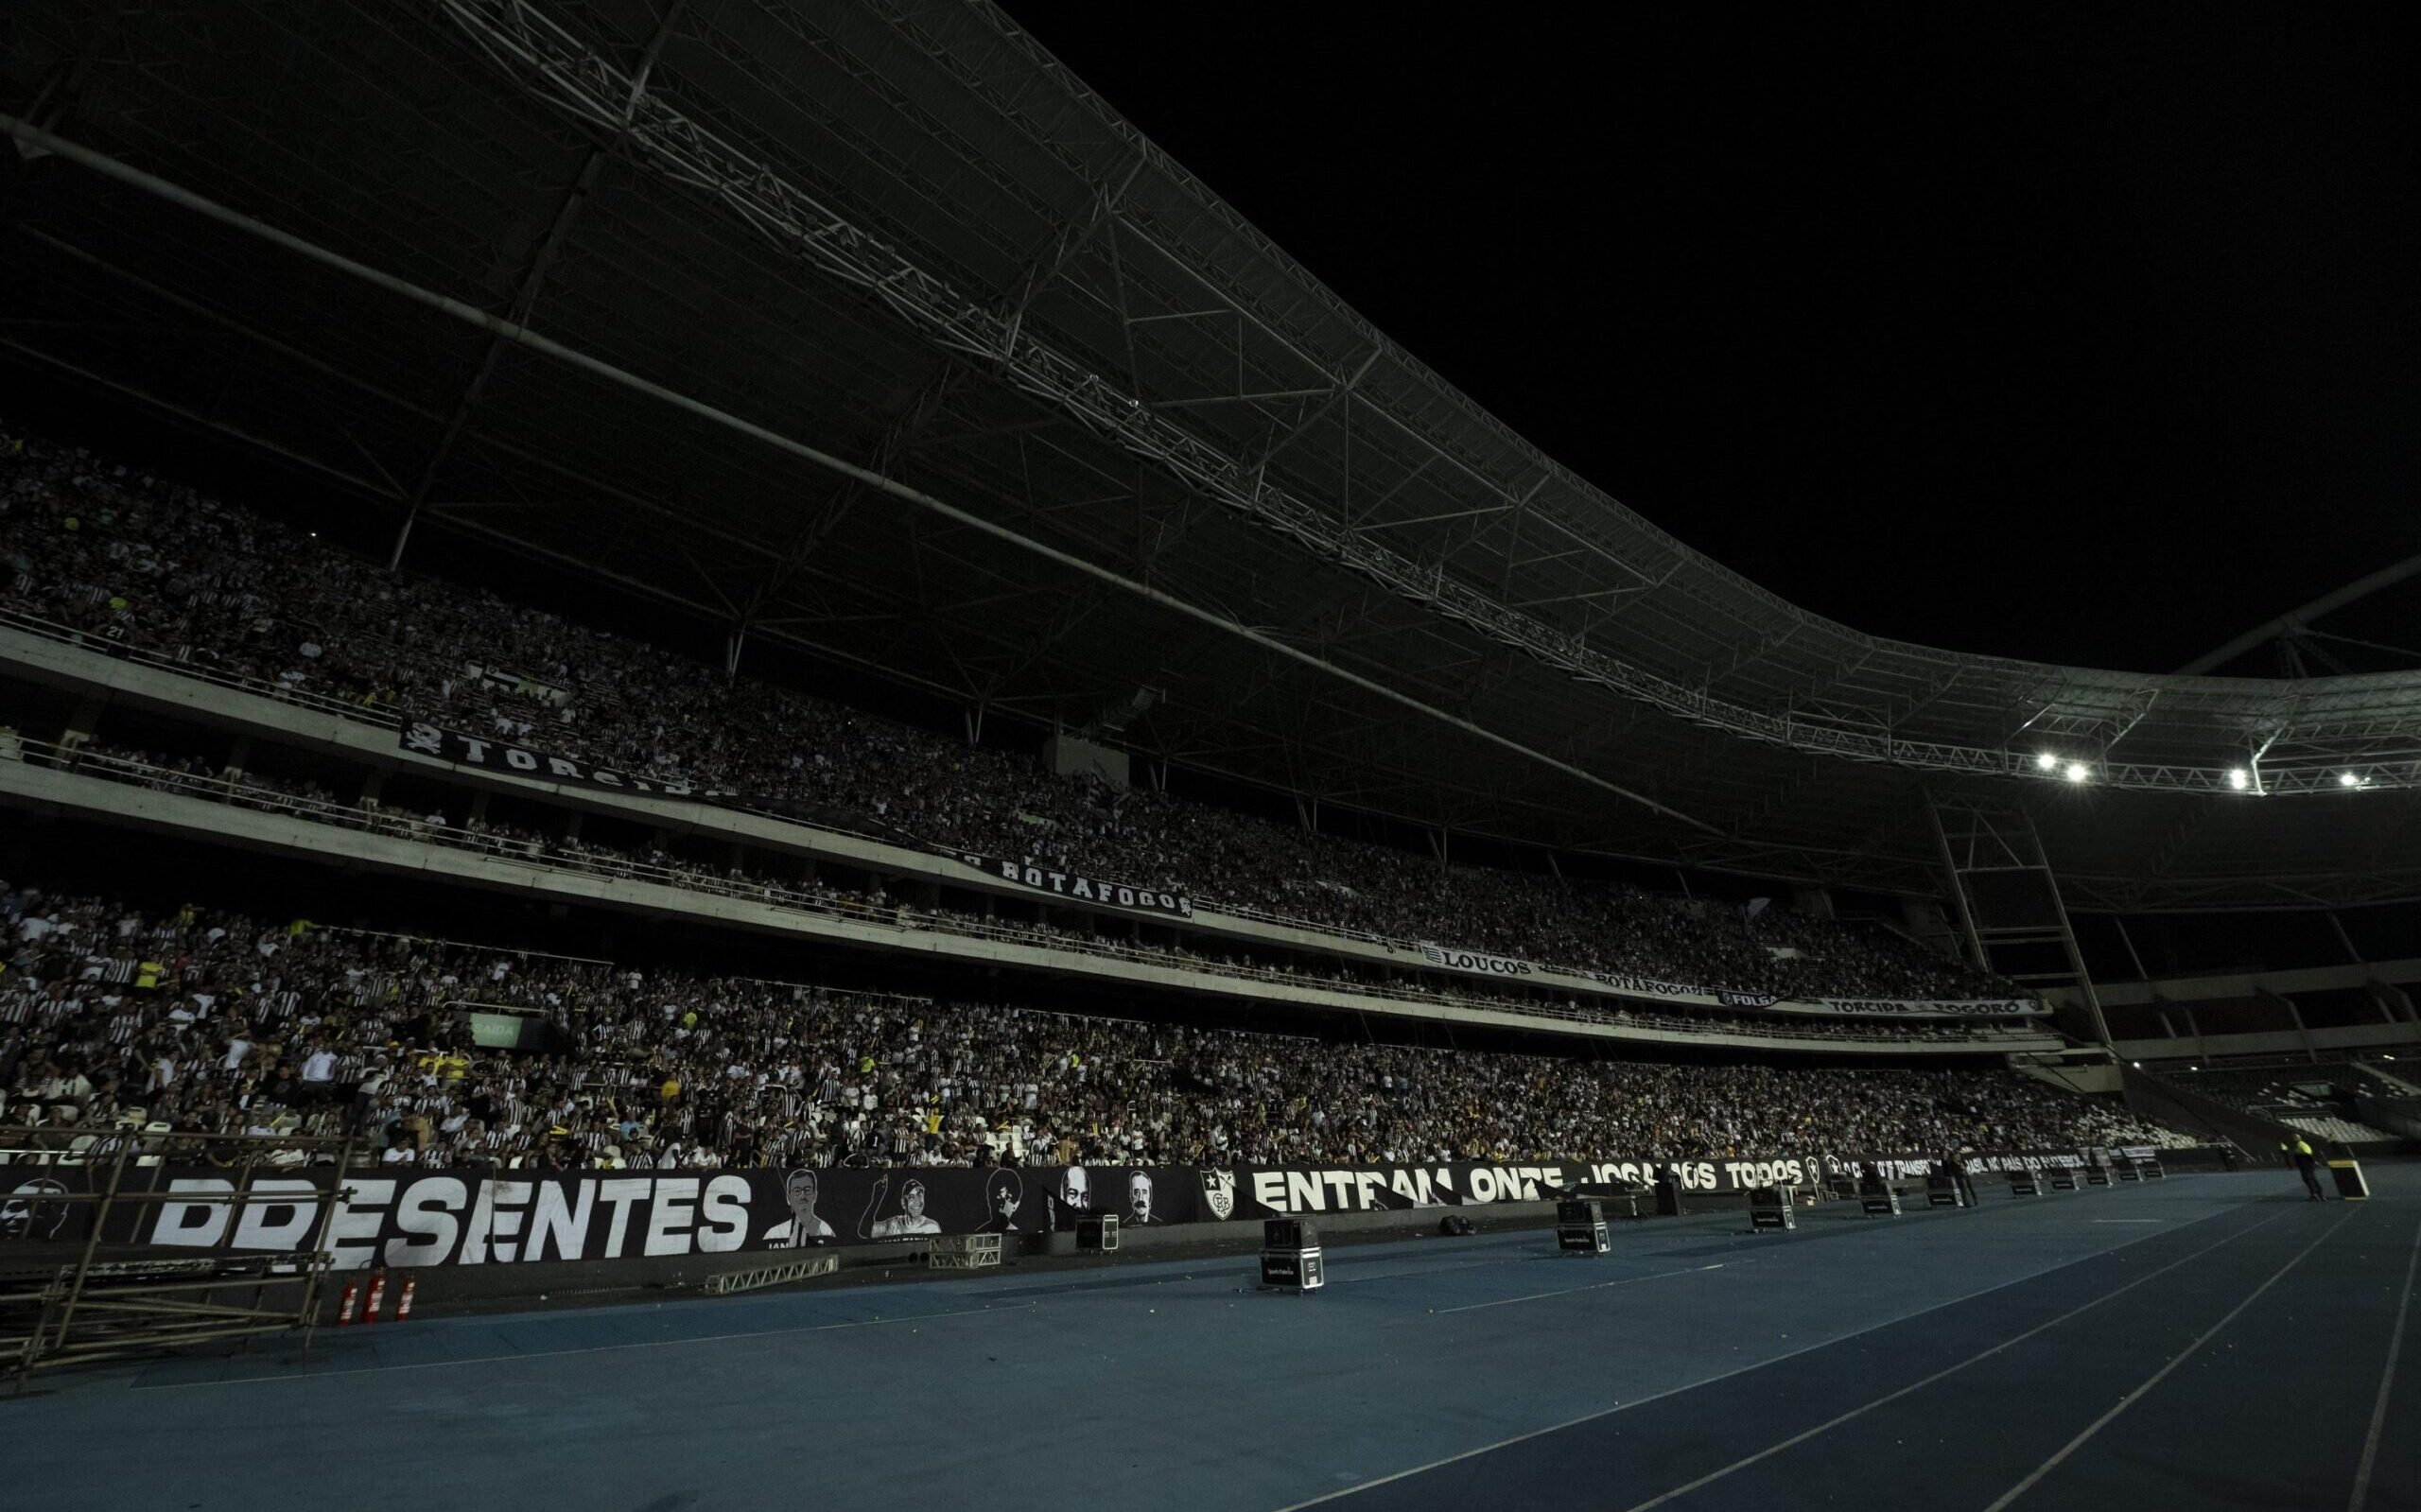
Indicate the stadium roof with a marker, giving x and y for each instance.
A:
(870, 328)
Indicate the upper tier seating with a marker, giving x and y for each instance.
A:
(136, 561)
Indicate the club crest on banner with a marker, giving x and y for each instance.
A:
(1219, 1194)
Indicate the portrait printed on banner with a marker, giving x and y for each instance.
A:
(35, 1210)
(1071, 1199)
(1004, 1194)
(910, 1220)
(799, 1189)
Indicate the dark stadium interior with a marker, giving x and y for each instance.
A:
(756, 752)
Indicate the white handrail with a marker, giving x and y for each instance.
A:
(385, 717)
(534, 854)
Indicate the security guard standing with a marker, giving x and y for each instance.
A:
(2306, 1165)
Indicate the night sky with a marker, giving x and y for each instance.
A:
(2086, 333)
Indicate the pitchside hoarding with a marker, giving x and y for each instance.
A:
(476, 1217)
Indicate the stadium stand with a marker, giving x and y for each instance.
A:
(2314, 1097)
(308, 799)
(103, 553)
(197, 1021)
(461, 1035)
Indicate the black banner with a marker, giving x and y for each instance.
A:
(1478, 962)
(399, 1216)
(1077, 887)
(1623, 984)
(1898, 1008)
(472, 1216)
(488, 754)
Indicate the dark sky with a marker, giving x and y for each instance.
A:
(2088, 334)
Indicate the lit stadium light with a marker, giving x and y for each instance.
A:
(2347, 779)
(2239, 779)
(2046, 761)
(2078, 771)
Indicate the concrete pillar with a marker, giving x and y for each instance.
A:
(2346, 940)
(571, 824)
(479, 805)
(2311, 1050)
(1926, 919)
(81, 721)
(2376, 992)
(237, 754)
(2389, 993)
(2129, 941)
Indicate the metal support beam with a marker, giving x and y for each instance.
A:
(1996, 838)
(2295, 620)
(553, 66)
(1958, 890)
(522, 335)
(533, 278)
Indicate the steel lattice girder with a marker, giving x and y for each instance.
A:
(1281, 462)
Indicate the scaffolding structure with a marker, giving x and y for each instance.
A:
(84, 1274)
(1050, 433)
(2007, 898)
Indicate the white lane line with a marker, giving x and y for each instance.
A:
(1592, 1286)
(2130, 1220)
(2387, 1377)
(1422, 1273)
(307, 1374)
(2162, 1374)
(1736, 1370)
(1796, 1439)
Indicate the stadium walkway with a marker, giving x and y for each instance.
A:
(2209, 1342)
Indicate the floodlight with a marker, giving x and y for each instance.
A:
(2347, 779)
(2238, 778)
(2046, 761)
(2078, 771)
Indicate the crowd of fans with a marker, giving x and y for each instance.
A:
(198, 1022)
(152, 566)
(307, 798)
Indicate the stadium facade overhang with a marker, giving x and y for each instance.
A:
(870, 330)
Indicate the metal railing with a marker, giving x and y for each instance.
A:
(389, 718)
(535, 855)
(89, 1279)
(107, 645)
